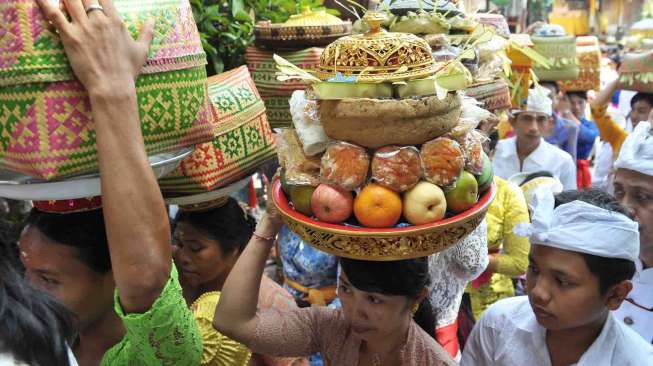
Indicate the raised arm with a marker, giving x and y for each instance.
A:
(106, 60)
(609, 130)
(235, 315)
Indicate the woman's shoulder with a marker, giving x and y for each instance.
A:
(422, 349)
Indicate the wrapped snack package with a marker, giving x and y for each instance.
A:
(471, 116)
(344, 166)
(307, 124)
(443, 161)
(397, 167)
(300, 169)
(472, 145)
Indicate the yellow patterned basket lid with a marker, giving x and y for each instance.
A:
(377, 56)
(309, 28)
(31, 52)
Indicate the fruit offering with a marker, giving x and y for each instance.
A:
(377, 206)
(397, 167)
(344, 166)
(443, 161)
(425, 203)
(331, 205)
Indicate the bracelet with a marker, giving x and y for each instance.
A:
(264, 238)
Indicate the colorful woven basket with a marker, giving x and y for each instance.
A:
(588, 54)
(381, 244)
(494, 95)
(243, 139)
(636, 72)
(307, 29)
(46, 128)
(276, 93)
(561, 51)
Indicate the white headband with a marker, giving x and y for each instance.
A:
(539, 101)
(581, 227)
(637, 151)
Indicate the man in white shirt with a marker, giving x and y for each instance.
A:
(583, 248)
(633, 186)
(527, 152)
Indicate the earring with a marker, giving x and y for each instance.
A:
(415, 308)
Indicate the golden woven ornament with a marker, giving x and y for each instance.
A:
(378, 55)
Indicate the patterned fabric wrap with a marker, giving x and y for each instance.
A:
(46, 128)
(276, 93)
(561, 51)
(242, 138)
(31, 52)
(636, 72)
(588, 55)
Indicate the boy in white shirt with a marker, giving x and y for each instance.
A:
(527, 152)
(583, 249)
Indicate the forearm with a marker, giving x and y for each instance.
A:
(235, 315)
(137, 226)
(605, 95)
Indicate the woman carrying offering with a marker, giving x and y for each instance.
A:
(112, 268)
(374, 327)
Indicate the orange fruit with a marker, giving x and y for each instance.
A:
(377, 206)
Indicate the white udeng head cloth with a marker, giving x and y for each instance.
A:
(637, 151)
(581, 227)
(539, 101)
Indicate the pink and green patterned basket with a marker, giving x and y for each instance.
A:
(46, 128)
(276, 93)
(243, 139)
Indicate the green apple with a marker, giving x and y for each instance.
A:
(485, 179)
(300, 196)
(464, 195)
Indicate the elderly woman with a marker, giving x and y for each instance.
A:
(208, 242)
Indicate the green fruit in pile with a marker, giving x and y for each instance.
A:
(300, 196)
(464, 195)
(338, 90)
(486, 177)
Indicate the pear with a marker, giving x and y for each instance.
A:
(300, 196)
(464, 195)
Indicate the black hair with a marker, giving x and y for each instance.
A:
(85, 231)
(34, 327)
(229, 225)
(579, 94)
(646, 97)
(538, 174)
(610, 271)
(395, 278)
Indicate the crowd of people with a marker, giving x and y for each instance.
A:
(558, 273)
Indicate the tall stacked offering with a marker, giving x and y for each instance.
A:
(588, 55)
(378, 166)
(45, 116)
(552, 42)
(298, 40)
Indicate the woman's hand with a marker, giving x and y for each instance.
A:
(100, 50)
(271, 222)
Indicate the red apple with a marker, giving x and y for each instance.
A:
(331, 205)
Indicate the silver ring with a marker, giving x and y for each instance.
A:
(94, 7)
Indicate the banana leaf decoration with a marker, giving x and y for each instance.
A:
(287, 71)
